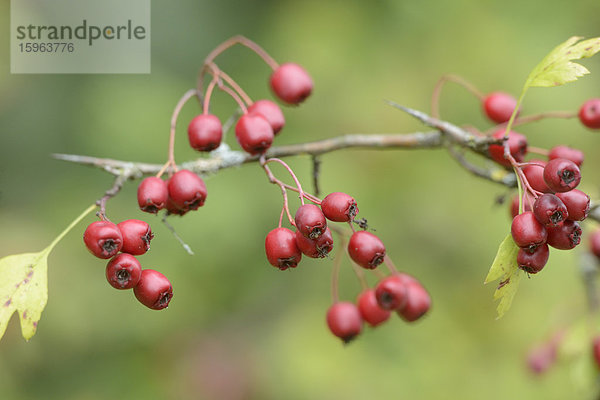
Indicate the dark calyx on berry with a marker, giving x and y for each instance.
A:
(310, 221)
(565, 236)
(103, 239)
(533, 260)
(339, 207)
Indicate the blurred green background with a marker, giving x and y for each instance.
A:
(238, 328)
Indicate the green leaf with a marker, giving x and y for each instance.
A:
(506, 269)
(24, 285)
(557, 69)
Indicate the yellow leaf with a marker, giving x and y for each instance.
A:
(505, 269)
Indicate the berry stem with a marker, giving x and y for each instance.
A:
(437, 91)
(235, 96)
(538, 117)
(209, 91)
(186, 96)
(218, 72)
(360, 274)
(244, 42)
(287, 167)
(538, 150)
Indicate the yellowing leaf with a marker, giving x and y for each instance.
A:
(23, 288)
(24, 285)
(506, 269)
(557, 67)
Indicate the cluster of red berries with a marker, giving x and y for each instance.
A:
(184, 191)
(262, 120)
(552, 207)
(131, 238)
(552, 218)
(398, 292)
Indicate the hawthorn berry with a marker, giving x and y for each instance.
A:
(291, 83)
(339, 207)
(103, 239)
(153, 290)
(123, 271)
(565, 236)
(539, 360)
(271, 112)
(595, 243)
(187, 190)
(310, 221)
(550, 210)
(526, 231)
(281, 248)
(317, 248)
(577, 203)
(392, 291)
(568, 153)
(344, 320)
(499, 106)
(205, 132)
(417, 304)
(534, 172)
(561, 175)
(369, 309)
(366, 249)
(152, 194)
(136, 236)
(532, 261)
(596, 350)
(254, 133)
(517, 145)
(589, 113)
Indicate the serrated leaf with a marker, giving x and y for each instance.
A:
(23, 288)
(557, 67)
(24, 284)
(506, 269)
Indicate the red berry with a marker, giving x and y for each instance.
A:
(535, 175)
(205, 132)
(392, 291)
(517, 145)
(566, 152)
(561, 175)
(499, 106)
(153, 290)
(550, 210)
(254, 133)
(417, 304)
(136, 236)
(589, 114)
(369, 308)
(339, 207)
(596, 350)
(291, 83)
(271, 112)
(103, 239)
(595, 243)
(123, 271)
(173, 209)
(541, 359)
(187, 190)
(526, 231)
(310, 221)
(344, 321)
(577, 202)
(317, 248)
(152, 194)
(281, 248)
(366, 249)
(532, 261)
(565, 236)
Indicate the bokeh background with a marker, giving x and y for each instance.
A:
(237, 328)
